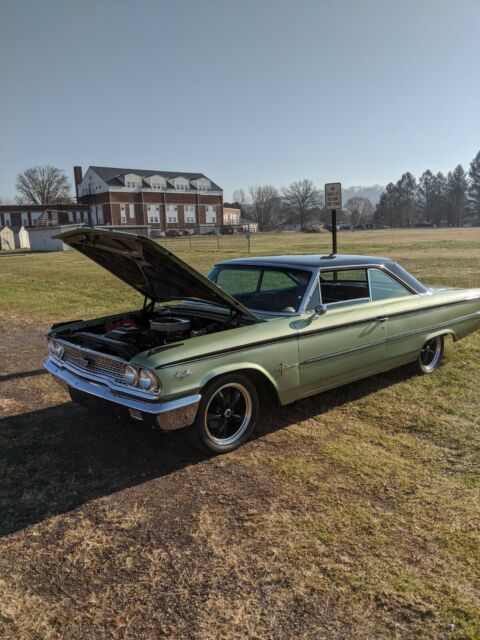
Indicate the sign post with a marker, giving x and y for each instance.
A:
(333, 201)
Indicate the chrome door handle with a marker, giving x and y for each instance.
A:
(381, 318)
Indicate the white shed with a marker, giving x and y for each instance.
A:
(21, 239)
(41, 238)
(7, 240)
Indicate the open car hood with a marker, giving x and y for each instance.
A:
(149, 268)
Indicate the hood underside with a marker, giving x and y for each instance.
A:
(149, 268)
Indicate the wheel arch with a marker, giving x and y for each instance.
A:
(444, 333)
(257, 374)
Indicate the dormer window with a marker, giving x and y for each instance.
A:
(132, 181)
(202, 184)
(180, 184)
(156, 182)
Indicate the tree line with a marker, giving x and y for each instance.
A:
(300, 205)
(435, 199)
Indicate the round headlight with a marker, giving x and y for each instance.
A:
(147, 380)
(130, 374)
(55, 348)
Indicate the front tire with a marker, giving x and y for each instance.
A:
(431, 355)
(226, 415)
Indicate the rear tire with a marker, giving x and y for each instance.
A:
(226, 415)
(431, 355)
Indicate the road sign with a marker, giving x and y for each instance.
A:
(333, 195)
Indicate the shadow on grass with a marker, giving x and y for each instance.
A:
(55, 459)
(23, 374)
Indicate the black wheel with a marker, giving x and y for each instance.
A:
(226, 415)
(431, 355)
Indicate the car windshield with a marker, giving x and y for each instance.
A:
(263, 288)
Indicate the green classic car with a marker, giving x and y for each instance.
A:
(203, 353)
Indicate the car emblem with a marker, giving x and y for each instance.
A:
(184, 373)
(84, 361)
(282, 368)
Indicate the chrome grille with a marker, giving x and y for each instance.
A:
(95, 363)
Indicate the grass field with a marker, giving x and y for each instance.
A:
(355, 514)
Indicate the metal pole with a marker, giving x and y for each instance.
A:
(334, 232)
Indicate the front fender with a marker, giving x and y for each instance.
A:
(236, 368)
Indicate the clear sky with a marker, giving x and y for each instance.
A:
(245, 91)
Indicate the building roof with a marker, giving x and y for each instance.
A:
(110, 175)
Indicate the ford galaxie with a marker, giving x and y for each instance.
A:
(201, 353)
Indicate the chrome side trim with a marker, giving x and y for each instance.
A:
(344, 352)
(434, 327)
(408, 334)
(172, 414)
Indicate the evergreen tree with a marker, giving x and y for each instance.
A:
(387, 211)
(474, 188)
(407, 198)
(425, 195)
(457, 186)
(440, 199)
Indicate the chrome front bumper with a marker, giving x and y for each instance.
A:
(169, 415)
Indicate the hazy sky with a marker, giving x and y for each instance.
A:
(246, 91)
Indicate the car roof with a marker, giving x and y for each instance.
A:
(310, 260)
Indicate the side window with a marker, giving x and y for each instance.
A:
(344, 285)
(383, 286)
(314, 298)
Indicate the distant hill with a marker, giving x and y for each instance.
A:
(372, 193)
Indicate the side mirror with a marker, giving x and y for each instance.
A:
(320, 310)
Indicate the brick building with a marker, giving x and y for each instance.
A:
(30, 215)
(162, 199)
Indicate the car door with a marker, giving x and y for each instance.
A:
(348, 341)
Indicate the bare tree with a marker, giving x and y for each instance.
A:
(360, 210)
(42, 185)
(300, 198)
(264, 205)
(239, 197)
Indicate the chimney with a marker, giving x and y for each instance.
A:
(77, 174)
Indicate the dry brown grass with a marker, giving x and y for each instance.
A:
(354, 515)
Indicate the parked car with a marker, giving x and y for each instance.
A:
(173, 233)
(202, 353)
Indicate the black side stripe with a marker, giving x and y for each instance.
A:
(296, 335)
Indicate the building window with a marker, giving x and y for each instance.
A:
(100, 213)
(172, 213)
(211, 214)
(153, 213)
(123, 215)
(25, 218)
(132, 211)
(7, 219)
(190, 217)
